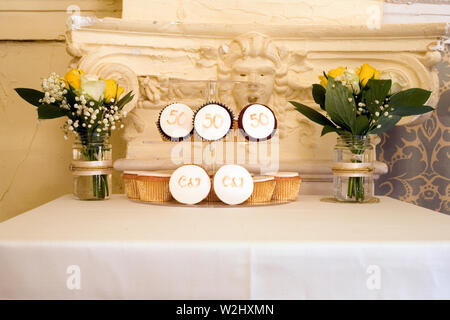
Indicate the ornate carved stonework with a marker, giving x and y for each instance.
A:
(168, 62)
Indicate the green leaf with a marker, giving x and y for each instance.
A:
(340, 105)
(375, 90)
(327, 129)
(125, 99)
(30, 95)
(385, 123)
(361, 125)
(312, 114)
(50, 111)
(410, 97)
(70, 95)
(410, 110)
(318, 93)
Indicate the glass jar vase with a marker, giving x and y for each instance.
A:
(92, 167)
(353, 169)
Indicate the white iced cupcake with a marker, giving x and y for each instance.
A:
(233, 184)
(213, 121)
(175, 122)
(189, 184)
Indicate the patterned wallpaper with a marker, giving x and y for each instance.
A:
(418, 157)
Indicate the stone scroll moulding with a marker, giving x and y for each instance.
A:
(286, 68)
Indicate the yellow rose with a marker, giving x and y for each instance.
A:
(367, 72)
(112, 90)
(72, 77)
(332, 73)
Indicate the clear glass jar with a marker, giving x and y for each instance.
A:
(92, 167)
(353, 169)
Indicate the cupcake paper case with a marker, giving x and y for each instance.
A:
(287, 186)
(131, 188)
(153, 186)
(263, 187)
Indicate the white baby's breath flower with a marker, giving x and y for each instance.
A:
(53, 88)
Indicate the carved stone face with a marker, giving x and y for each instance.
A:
(261, 72)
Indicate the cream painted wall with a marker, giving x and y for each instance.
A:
(34, 157)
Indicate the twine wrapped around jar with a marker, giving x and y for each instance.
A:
(353, 169)
(92, 167)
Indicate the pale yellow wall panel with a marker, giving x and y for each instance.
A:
(34, 158)
(60, 5)
(46, 19)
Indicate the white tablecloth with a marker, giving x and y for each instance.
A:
(302, 250)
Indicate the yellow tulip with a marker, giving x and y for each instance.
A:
(112, 90)
(72, 77)
(332, 73)
(367, 72)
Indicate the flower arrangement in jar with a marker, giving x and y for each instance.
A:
(357, 103)
(93, 109)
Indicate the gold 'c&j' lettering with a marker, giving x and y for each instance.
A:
(233, 182)
(189, 182)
